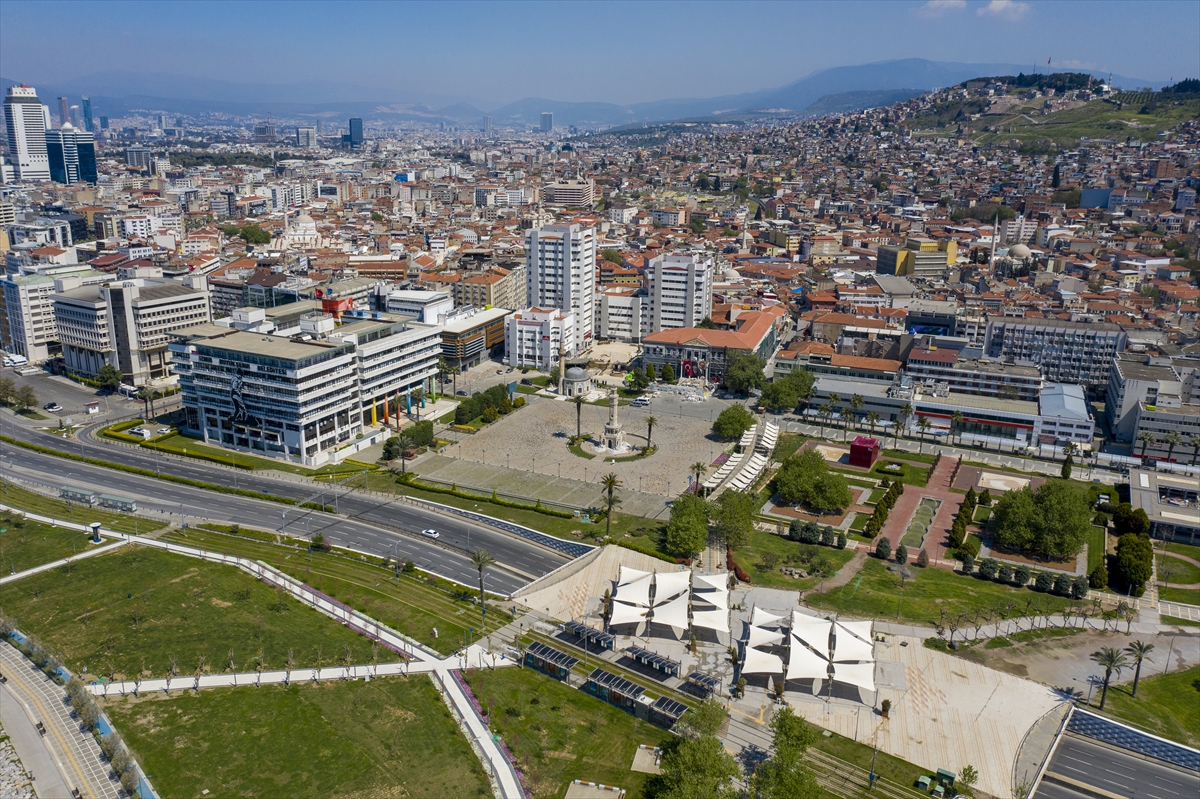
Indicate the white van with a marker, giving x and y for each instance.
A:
(15, 360)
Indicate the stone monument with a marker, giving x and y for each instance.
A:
(614, 437)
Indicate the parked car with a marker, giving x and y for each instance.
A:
(431, 533)
(462, 392)
(53, 407)
(162, 431)
(137, 431)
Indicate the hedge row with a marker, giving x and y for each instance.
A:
(645, 549)
(409, 479)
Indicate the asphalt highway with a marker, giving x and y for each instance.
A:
(364, 522)
(1114, 773)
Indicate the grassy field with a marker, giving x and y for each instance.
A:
(1166, 704)
(410, 606)
(761, 543)
(28, 501)
(891, 768)
(25, 544)
(559, 734)
(1187, 550)
(134, 609)
(1096, 120)
(391, 737)
(1177, 571)
(1097, 546)
(1187, 596)
(876, 593)
(911, 475)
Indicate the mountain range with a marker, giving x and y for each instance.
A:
(836, 89)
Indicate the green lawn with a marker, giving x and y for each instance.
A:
(787, 445)
(876, 495)
(1097, 543)
(760, 543)
(860, 522)
(1177, 571)
(25, 544)
(134, 609)
(911, 475)
(391, 737)
(412, 606)
(559, 734)
(1166, 704)
(1187, 596)
(57, 509)
(875, 592)
(862, 755)
(981, 515)
(1189, 550)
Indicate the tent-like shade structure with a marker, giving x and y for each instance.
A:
(858, 674)
(671, 584)
(635, 593)
(812, 631)
(623, 613)
(803, 664)
(719, 599)
(850, 648)
(673, 613)
(629, 575)
(711, 620)
(759, 662)
(761, 635)
(862, 629)
(703, 581)
(760, 618)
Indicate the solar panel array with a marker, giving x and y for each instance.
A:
(706, 681)
(616, 683)
(669, 707)
(550, 655)
(1109, 732)
(652, 659)
(590, 633)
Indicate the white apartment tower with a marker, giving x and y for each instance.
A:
(560, 272)
(680, 290)
(27, 120)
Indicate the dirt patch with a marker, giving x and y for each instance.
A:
(185, 575)
(220, 603)
(402, 714)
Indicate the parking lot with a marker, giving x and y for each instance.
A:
(72, 396)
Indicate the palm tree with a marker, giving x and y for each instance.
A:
(1173, 439)
(845, 417)
(611, 483)
(834, 400)
(578, 400)
(480, 559)
(823, 413)
(956, 420)
(923, 425)
(856, 403)
(454, 373)
(804, 395)
(650, 422)
(872, 419)
(1146, 437)
(1194, 443)
(1112, 659)
(698, 468)
(146, 395)
(906, 413)
(1137, 653)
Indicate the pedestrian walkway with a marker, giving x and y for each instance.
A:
(91, 553)
(938, 488)
(76, 752)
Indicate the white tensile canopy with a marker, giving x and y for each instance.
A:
(719, 599)
(761, 635)
(860, 628)
(711, 620)
(803, 664)
(671, 584)
(635, 593)
(760, 618)
(859, 674)
(850, 648)
(759, 662)
(629, 575)
(623, 613)
(718, 581)
(673, 613)
(812, 631)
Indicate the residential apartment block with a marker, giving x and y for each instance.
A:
(560, 272)
(1066, 352)
(532, 337)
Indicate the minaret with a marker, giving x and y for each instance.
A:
(562, 367)
(995, 233)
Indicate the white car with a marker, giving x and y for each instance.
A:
(137, 431)
(162, 431)
(431, 533)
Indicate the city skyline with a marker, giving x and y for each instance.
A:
(399, 61)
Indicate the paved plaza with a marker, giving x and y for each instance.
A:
(528, 455)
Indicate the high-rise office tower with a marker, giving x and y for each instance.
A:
(87, 114)
(137, 155)
(26, 122)
(64, 112)
(547, 121)
(103, 123)
(162, 121)
(72, 155)
(356, 131)
(487, 124)
(560, 272)
(306, 136)
(75, 116)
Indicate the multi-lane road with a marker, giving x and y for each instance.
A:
(365, 522)
(1084, 769)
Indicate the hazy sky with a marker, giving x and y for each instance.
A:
(616, 52)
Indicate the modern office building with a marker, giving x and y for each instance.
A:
(88, 125)
(622, 313)
(982, 378)
(302, 397)
(29, 306)
(1133, 380)
(471, 334)
(487, 124)
(64, 112)
(547, 121)
(1171, 501)
(72, 155)
(570, 193)
(138, 155)
(424, 306)
(306, 136)
(1066, 352)
(680, 289)
(918, 257)
(127, 324)
(532, 337)
(26, 123)
(560, 272)
(356, 132)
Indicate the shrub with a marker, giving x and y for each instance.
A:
(805, 532)
(922, 559)
(1079, 587)
(970, 546)
(1133, 564)
(1100, 520)
(841, 540)
(1044, 582)
(985, 499)
(490, 415)
(883, 549)
(1021, 575)
(988, 568)
(828, 536)
(901, 553)
(968, 562)
(1005, 575)
(1062, 585)
(768, 561)
(1098, 578)
(519, 402)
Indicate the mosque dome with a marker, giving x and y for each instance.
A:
(576, 373)
(1019, 251)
